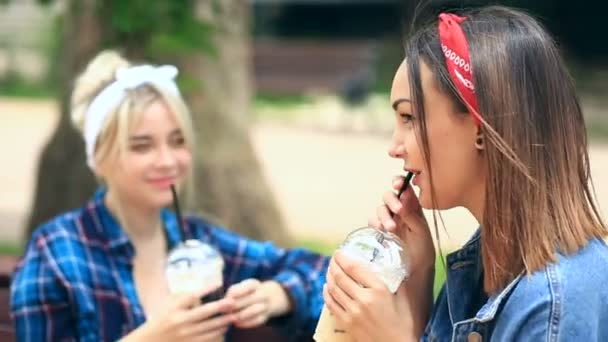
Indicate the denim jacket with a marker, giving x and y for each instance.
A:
(565, 301)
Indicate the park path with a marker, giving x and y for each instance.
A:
(326, 183)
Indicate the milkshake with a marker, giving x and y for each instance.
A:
(193, 265)
(384, 254)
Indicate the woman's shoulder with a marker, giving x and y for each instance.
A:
(82, 224)
(64, 239)
(581, 279)
(571, 277)
(63, 226)
(567, 297)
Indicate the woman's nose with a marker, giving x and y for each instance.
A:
(396, 148)
(165, 157)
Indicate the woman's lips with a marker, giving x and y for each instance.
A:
(162, 183)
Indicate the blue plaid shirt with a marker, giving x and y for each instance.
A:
(75, 281)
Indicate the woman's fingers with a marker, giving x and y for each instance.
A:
(204, 311)
(215, 335)
(398, 182)
(209, 326)
(189, 300)
(245, 302)
(352, 276)
(392, 202)
(339, 296)
(385, 218)
(252, 316)
(242, 289)
(333, 306)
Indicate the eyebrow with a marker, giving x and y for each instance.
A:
(140, 138)
(398, 102)
(146, 137)
(175, 132)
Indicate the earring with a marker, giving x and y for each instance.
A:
(479, 143)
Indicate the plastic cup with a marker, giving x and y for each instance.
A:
(193, 266)
(384, 254)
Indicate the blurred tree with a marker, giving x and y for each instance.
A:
(209, 41)
(228, 175)
(64, 180)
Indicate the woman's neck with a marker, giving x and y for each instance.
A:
(142, 225)
(477, 202)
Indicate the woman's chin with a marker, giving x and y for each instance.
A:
(425, 202)
(158, 200)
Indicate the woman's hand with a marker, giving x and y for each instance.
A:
(403, 216)
(409, 224)
(362, 303)
(185, 319)
(255, 302)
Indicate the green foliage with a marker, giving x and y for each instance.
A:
(318, 246)
(282, 101)
(439, 275)
(154, 29)
(15, 86)
(12, 249)
(157, 29)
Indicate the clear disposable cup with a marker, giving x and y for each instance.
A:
(384, 254)
(193, 266)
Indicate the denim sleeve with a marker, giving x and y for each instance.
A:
(39, 303)
(300, 272)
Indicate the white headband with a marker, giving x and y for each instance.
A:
(126, 78)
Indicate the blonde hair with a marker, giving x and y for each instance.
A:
(114, 134)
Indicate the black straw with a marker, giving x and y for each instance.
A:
(178, 212)
(379, 236)
(406, 183)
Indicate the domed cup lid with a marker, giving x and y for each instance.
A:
(383, 252)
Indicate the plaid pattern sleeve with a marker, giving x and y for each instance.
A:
(300, 272)
(39, 302)
(74, 282)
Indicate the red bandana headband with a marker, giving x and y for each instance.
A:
(456, 52)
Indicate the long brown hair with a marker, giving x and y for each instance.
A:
(539, 197)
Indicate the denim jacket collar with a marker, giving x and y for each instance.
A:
(465, 268)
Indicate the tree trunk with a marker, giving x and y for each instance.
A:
(64, 181)
(229, 183)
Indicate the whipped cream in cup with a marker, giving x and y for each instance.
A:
(194, 265)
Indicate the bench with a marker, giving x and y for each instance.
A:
(7, 265)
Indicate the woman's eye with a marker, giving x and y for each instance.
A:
(406, 118)
(140, 147)
(178, 141)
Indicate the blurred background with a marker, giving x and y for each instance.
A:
(289, 100)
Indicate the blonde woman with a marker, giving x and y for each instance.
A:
(97, 273)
